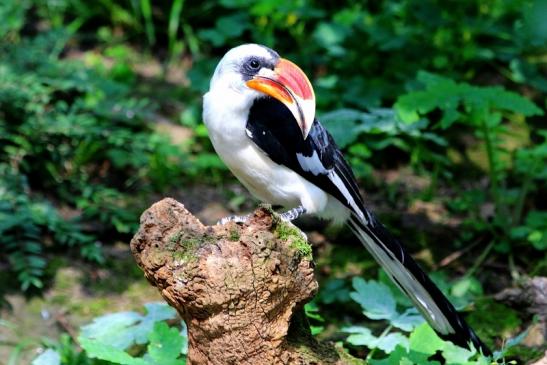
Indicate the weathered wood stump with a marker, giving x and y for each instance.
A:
(240, 288)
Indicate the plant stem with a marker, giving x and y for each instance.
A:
(384, 333)
(491, 155)
(526, 186)
(513, 269)
(480, 259)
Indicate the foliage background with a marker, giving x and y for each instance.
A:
(439, 107)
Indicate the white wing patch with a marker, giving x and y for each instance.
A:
(333, 176)
(311, 164)
(314, 165)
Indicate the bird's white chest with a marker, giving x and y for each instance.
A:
(264, 178)
(268, 181)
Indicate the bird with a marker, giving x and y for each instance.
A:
(260, 115)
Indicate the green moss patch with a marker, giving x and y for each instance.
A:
(288, 232)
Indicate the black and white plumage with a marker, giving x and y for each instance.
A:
(260, 113)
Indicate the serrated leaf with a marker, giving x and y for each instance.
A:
(113, 329)
(165, 344)
(456, 355)
(155, 312)
(375, 299)
(388, 342)
(121, 330)
(425, 340)
(102, 351)
(409, 320)
(396, 357)
(362, 336)
(450, 97)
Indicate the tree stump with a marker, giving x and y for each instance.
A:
(240, 288)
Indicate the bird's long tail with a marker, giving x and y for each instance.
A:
(414, 282)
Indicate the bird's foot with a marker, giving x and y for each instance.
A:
(234, 218)
(293, 214)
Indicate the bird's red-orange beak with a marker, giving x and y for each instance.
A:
(290, 85)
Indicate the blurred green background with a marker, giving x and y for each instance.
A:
(439, 106)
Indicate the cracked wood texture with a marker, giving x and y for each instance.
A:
(239, 287)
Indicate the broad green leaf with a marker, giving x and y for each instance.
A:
(375, 299)
(342, 124)
(396, 357)
(114, 329)
(409, 320)
(165, 344)
(388, 342)
(103, 351)
(121, 330)
(48, 357)
(456, 355)
(425, 340)
(155, 312)
(362, 336)
(451, 97)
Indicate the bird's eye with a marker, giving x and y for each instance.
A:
(254, 64)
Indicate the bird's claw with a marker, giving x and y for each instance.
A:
(234, 218)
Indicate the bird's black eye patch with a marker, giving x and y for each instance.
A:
(252, 65)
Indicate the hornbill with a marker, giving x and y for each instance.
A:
(260, 114)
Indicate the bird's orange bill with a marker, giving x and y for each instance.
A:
(291, 86)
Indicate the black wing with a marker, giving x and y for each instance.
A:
(271, 126)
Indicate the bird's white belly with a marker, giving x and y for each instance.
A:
(266, 180)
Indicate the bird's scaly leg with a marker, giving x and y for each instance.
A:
(234, 218)
(293, 214)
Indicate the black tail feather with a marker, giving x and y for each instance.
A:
(415, 283)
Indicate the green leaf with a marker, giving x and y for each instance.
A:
(409, 320)
(114, 329)
(334, 290)
(397, 357)
(102, 351)
(362, 336)
(425, 340)
(375, 299)
(342, 124)
(48, 357)
(312, 311)
(456, 355)
(165, 344)
(155, 312)
(121, 330)
(511, 343)
(453, 98)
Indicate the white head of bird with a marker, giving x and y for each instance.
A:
(252, 71)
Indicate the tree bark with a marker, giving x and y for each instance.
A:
(240, 288)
